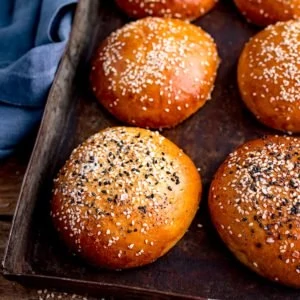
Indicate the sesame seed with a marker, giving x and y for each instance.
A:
(270, 240)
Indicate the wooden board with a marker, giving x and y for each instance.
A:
(200, 266)
(11, 175)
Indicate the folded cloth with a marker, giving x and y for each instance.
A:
(33, 36)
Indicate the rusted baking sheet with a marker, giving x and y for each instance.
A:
(200, 266)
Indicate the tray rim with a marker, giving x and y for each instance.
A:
(99, 286)
(5, 265)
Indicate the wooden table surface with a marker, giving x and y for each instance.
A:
(12, 171)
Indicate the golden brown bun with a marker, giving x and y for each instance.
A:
(269, 76)
(155, 72)
(254, 203)
(125, 197)
(179, 9)
(266, 12)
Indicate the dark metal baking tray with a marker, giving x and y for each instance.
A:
(200, 266)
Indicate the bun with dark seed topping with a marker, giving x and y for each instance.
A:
(125, 197)
(269, 76)
(155, 72)
(266, 12)
(254, 202)
(179, 9)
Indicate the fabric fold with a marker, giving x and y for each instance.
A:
(33, 37)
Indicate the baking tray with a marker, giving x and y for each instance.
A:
(200, 266)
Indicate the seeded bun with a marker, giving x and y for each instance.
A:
(269, 76)
(155, 72)
(266, 12)
(179, 9)
(125, 197)
(254, 203)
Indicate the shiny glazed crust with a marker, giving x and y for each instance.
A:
(254, 202)
(269, 76)
(125, 197)
(155, 72)
(266, 12)
(179, 9)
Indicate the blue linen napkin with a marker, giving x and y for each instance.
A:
(33, 36)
